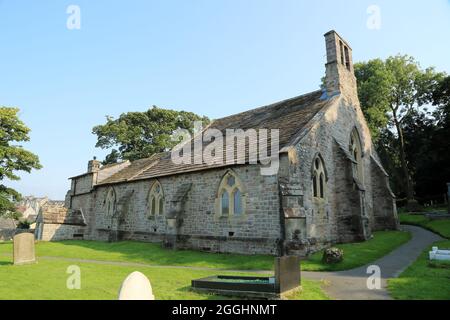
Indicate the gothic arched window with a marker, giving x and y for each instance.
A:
(156, 200)
(231, 196)
(355, 149)
(319, 178)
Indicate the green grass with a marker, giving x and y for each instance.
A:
(47, 279)
(360, 254)
(147, 253)
(441, 227)
(423, 280)
(101, 281)
(356, 254)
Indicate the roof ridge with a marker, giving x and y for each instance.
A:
(268, 105)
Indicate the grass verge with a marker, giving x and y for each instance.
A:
(441, 227)
(360, 254)
(424, 279)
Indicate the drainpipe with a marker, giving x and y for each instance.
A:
(281, 248)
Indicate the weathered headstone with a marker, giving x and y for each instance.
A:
(136, 287)
(24, 252)
(287, 273)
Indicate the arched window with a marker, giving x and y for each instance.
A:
(355, 149)
(110, 202)
(231, 196)
(156, 200)
(319, 178)
(237, 200)
(225, 203)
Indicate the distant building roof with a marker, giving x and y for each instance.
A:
(7, 223)
(55, 214)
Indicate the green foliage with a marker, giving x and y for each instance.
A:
(137, 135)
(393, 93)
(13, 157)
(441, 227)
(359, 254)
(8, 197)
(441, 98)
(422, 280)
(439, 264)
(24, 225)
(374, 86)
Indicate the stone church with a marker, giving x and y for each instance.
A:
(330, 186)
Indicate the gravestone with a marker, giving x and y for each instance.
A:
(441, 255)
(287, 273)
(286, 282)
(136, 287)
(24, 252)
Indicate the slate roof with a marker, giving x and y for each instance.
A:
(59, 215)
(107, 166)
(289, 116)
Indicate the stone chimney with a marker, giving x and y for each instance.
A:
(340, 75)
(94, 165)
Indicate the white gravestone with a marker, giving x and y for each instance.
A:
(136, 287)
(441, 255)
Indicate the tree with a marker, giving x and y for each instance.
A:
(137, 135)
(13, 157)
(390, 91)
(441, 99)
(440, 142)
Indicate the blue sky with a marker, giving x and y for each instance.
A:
(211, 57)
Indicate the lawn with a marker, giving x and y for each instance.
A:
(102, 275)
(423, 280)
(441, 227)
(360, 254)
(356, 254)
(47, 281)
(147, 253)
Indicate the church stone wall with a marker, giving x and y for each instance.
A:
(382, 212)
(339, 220)
(257, 231)
(278, 208)
(59, 232)
(83, 184)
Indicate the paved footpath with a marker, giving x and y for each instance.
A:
(352, 284)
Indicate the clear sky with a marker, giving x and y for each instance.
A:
(211, 57)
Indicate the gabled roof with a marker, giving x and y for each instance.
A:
(289, 116)
(103, 168)
(55, 214)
